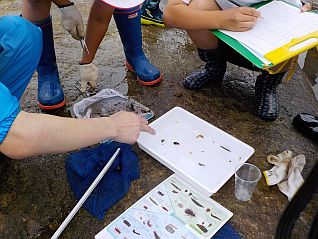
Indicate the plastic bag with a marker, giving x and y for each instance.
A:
(108, 102)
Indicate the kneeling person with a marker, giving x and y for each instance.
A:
(25, 134)
(197, 17)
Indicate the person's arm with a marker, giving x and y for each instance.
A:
(33, 134)
(97, 25)
(180, 15)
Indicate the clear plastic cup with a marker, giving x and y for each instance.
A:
(246, 178)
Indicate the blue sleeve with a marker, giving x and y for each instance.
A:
(9, 109)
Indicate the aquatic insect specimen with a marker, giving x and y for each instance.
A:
(127, 223)
(176, 143)
(215, 217)
(145, 207)
(202, 228)
(169, 229)
(189, 212)
(165, 209)
(176, 186)
(149, 224)
(174, 191)
(117, 230)
(153, 201)
(160, 193)
(201, 164)
(162, 141)
(225, 148)
(180, 205)
(156, 235)
(136, 232)
(208, 209)
(200, 136)
(196, 202)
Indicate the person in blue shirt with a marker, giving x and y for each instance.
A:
(25, 134)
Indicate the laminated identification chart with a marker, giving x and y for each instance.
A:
(171, 210)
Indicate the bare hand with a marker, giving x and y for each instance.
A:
(129, 125)
(240, 18)
(306, 7)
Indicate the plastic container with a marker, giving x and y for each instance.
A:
(246, 179)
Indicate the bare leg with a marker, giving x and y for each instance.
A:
(203, 38)
(97, 26)
(36, 10)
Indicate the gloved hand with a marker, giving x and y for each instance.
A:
(89, 75)
(72, 21)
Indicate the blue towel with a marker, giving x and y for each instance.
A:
(227, 232)
(82, 168)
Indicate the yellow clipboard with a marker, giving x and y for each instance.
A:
(284, 53)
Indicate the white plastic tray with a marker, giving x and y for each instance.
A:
(198, 152)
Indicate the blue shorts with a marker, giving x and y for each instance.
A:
(20, 51)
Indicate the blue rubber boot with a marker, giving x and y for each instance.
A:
(129, 27)
(50, 92)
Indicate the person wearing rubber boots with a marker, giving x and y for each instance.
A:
(205, 15)
(151, 13)
(128, 23)
(24, 134)
(50, 92)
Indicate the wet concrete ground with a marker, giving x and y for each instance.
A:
(35, 196)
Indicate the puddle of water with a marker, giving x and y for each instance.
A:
(309, 64)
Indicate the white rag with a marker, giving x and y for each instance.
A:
(286, 173)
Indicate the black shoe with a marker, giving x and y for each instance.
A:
(267, 106)
(213, 71)
(307, 124)
(151, 13)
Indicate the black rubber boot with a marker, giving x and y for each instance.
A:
(213, 71)
(267, 106)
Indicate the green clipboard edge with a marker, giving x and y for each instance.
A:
(238, 46)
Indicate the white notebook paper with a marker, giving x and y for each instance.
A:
(280, 23)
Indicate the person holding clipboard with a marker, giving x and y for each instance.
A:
(197, 17)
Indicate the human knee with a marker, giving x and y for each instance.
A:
(100, 12)
(21, 46)
(203, 5)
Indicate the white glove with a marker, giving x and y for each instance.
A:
(279, 172)
(89, 75)
(286, 173)
(72, 21)
(294, 179)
